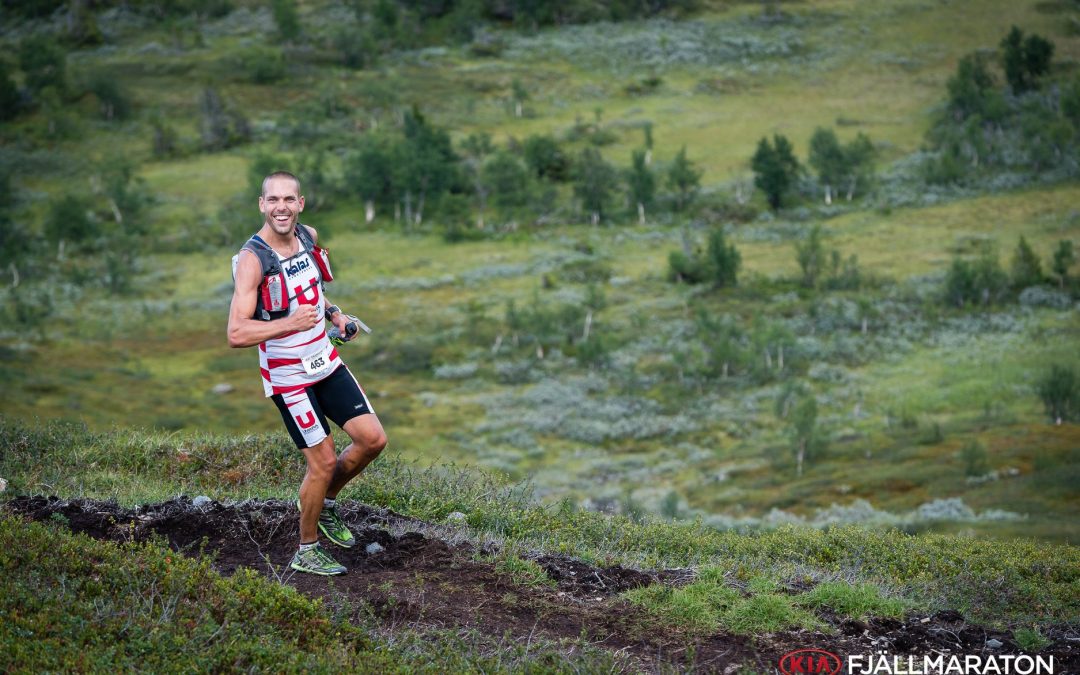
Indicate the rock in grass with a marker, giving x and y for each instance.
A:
(200, 501)
(374, 547)
(457, 516)
(993, 643)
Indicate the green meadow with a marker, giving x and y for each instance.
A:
(901, 388)
(538, 360)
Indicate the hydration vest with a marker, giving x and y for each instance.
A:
(272, 299)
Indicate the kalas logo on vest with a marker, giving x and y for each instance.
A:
(810, 662)
(298, 267)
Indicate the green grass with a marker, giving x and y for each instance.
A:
(857, 601)
(134, 373)
(992, 581)
(76, 604)
(708, 605)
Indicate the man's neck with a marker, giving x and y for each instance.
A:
(282, 243)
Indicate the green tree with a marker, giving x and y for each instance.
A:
(219, 127)
(684, 179)
(125, 194)
(811, 256)
(1025, 60)
(828, 159)
(369, 173)
(971, 90)
(507, 179)
(1064, 258)
(775, 169)
(14, 242)
(1070, 102)
(972, 282)
(114, 101)
(594, 183)
(860, 154)
(1059, 389)
(475, 150)
(519, 94)
(425, 166)
(974, 456)
(44, 64)
(10, 102)
(287, 19)
(807, 439)
(545, 158)
(640, 184)
(1026, 267)
(839, 165)
(357, 48)
(724, 260)
(70, 221)
(165, 141)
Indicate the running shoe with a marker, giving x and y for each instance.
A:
(334, 527)
(316, 561)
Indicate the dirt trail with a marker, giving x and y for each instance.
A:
(434, 580)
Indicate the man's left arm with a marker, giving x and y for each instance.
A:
(333, 313)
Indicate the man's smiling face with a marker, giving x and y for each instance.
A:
(281, 204)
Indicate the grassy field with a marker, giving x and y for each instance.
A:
(900, 400)
(942, 484)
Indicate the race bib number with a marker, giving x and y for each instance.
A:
(317, 364)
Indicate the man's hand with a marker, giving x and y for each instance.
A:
(341, 320)
(305, 317)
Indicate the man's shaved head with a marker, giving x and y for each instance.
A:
(281, 174)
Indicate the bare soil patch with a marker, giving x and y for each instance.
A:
(429, 577)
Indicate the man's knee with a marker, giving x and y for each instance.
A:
(367, 434)
(321, 460)
(377, 444)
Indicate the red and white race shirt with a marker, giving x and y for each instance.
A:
(299, 359)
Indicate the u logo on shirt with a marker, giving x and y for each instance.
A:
(301, 294)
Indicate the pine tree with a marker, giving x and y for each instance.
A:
(724, 260)
(775, 169)
(1026, 267)
(1063, 260)
(1059, 390)
(1025, 60)
(684, 179)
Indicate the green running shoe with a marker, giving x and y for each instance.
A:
(316, 561)
(334, 528)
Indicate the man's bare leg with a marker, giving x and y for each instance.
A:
(368, 440)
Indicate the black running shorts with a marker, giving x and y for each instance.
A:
(304, 411)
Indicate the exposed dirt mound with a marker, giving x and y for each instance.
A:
(423, 576)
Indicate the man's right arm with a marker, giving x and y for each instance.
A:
(245, 331)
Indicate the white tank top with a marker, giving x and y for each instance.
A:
(300, 359)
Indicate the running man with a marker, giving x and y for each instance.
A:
(279, 303)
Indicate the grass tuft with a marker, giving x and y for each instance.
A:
(857, 601)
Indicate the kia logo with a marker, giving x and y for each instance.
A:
(810, 662)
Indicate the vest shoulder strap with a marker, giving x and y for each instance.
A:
(304, 235)
(267, 258)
